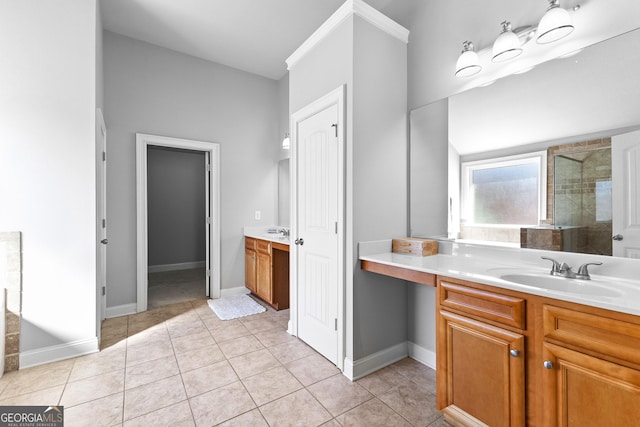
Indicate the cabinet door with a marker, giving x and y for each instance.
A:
(480, 374)
(250, 265)
(581, 390)
(263, 276)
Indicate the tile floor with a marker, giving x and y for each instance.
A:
(179, 365)
(170, 287)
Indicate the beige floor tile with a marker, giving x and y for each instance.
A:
(252, 418)
(260, 324)
(273, 337)
(383, 380)
(221, 404)
(107, 360)
(372, 413)
(191, 342)
(417, 372)
(148, 372)
(253, 363)
(214, 322)
(291, 350)
(92, 388)
(296, 409)
(147, 351)
(208, 378)
(333, 423)
(229, 332)
(183, 329)
(338, 394)
(200, 357)
(48, 396)
(37, 378)
(153, 396)
(177, 415)
(106, 411)
(239, 346)
(414, 403)
(271, 385)
(312, 369)
(154, 332)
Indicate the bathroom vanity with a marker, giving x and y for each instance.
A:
(516, 346)
(266, 267)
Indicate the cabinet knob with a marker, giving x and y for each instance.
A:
(547, 364)
(514, 353)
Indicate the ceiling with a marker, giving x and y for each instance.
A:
(251, 35)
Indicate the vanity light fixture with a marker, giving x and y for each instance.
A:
(507, 45)
(468, 63)
(286, 142)
(555, 24)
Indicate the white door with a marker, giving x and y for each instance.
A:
(207, 224)
(625, 164)
(317, 238)
(101, 189)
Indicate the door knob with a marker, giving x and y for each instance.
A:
(104, 241)
(299, 242)
(617, 237)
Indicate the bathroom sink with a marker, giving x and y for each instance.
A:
(562, 284)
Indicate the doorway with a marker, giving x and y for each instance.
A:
(317, 273)
(211, 226)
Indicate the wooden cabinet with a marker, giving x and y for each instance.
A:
(591, 369)
(250, 261)
(267, 271)
(573, 365)
(481, 362)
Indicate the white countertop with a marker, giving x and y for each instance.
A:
(266, 233)
(488, 266)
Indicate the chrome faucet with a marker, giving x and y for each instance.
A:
(284, 232)
(563, 270)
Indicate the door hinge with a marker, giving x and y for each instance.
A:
(104, 223)
(104, 156)
(209, 273)
(336, 323)
(104, 290)
(208, 220)
(209, 167)
(335, 126)
(336, 227)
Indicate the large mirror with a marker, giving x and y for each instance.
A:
(563, 117)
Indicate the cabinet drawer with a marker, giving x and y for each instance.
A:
(263, 246)
(600, 334)
(250, 243)
(487, 305)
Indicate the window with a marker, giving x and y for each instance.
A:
(504, 191)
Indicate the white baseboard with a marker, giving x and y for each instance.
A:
(422, 355)
(230, 292)
(58, 352)
(179, 266)
(375, 361)
(121, 310)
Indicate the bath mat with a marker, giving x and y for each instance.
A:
(228, 308)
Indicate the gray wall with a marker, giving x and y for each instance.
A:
(47, 166)
(176, 206)
(153, 90)
(372, 66)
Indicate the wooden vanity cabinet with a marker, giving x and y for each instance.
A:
(575, 365)
(591, 374)
(267, 271)
(250, 264)
(480, 356)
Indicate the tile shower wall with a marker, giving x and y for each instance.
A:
(11, 283)
(583, 198)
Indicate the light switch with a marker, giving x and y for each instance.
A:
(257, 215)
